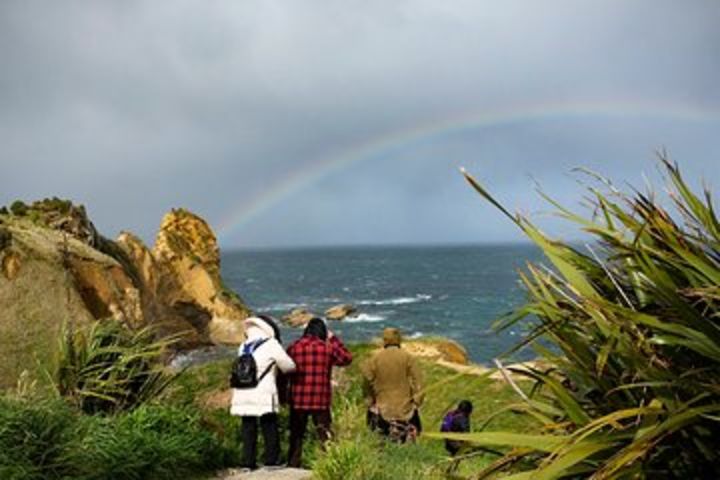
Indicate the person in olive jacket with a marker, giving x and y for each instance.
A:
(393, 386)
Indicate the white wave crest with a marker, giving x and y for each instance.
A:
(397, 301)
(364, 317)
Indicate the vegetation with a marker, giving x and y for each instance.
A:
(46, 439)
(102, 427)
(18, 208)
(357, 453)
(107, 367)
(107, 421)
(632, 322)
(5, 238)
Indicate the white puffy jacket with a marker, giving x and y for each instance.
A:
(263, 398)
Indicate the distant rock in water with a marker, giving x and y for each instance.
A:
(298, 317)
(338, 312)
(442, 349)
(56, 268)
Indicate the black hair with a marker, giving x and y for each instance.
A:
(316, 328)
(465, 406)
(270, 321)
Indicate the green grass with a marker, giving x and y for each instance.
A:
(179, 436)
(45, 438)
(355, 452)
(426, 458)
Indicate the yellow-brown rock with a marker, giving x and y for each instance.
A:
(142, 259)
(56, 270)
(439, 349)
(338, 312)
(188, 254)
(298, 317)
(184, 235)
(106, 289)
(39, 292)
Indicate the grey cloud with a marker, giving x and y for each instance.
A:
(135, 107)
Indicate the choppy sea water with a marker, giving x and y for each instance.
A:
(455, 292)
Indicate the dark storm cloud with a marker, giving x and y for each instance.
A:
(135, 107)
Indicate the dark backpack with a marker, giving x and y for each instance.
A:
(244, 369)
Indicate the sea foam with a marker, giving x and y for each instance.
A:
(364, 317)
(397, 301)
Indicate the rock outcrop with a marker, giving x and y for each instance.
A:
(188, 252)
(55, 269)
(338, 312)
(298, 317)
(438, 349)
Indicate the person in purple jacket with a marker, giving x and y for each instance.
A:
(457, 420)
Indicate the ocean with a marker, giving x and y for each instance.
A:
(451, 291)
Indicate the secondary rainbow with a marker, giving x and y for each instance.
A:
(244, 213)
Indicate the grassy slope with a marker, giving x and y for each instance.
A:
(356, 453)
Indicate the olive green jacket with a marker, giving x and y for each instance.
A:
(393, 383)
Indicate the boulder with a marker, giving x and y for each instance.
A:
(298, 317)
(338, 312)
(439, 349)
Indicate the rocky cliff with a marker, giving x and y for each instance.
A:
(55, 269)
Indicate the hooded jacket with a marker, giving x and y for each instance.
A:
(264, 398)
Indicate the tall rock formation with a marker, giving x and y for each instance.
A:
(56, 269)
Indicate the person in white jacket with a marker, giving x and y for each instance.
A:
(261, 402)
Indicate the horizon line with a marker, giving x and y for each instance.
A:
(341, 246)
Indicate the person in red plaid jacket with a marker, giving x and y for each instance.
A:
(314, 354)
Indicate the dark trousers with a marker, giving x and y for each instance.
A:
(269, 425)
(298, 425)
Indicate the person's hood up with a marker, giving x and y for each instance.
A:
(258, 328)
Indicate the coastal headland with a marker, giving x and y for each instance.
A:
(57, 271)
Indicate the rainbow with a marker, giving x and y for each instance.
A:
(244, 213)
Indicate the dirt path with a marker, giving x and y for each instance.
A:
(262, 474)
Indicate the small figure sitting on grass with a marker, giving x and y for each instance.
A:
(457, 420)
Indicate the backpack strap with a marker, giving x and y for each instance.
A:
(251, 347)
(266, 371)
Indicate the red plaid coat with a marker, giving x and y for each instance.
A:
(310, 385)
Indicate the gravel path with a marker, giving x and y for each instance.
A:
(262, 474)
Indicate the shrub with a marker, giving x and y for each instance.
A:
(633, 323)
(19, 208)
(108, 367)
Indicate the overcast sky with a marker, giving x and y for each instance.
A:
(289, 123)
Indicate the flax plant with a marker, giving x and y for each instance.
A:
(630, 323)
(108, 367)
